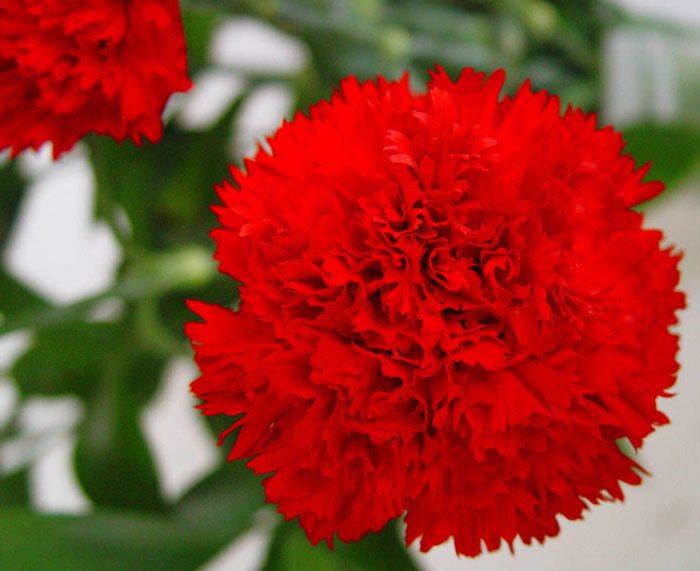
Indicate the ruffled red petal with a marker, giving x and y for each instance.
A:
(448, 309)
(72, 67)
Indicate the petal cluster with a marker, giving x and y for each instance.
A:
(448, 310)
(71, 67)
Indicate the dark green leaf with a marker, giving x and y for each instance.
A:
(186, 267)
(290, 550)
(199, 25)
(11, 192)
(14, 488)
(32, 312)
(165, 189)
(378, 551)
(16, 298)
(107, 541)
(229, 496)
(673, 149)
(124, 178)
(64, 359)
(207, 519)
(187, 194)
(113, 461)
(104, 542)
(453, 23)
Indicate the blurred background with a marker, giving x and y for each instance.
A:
(104, 464)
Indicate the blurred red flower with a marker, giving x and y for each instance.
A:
(71, 67)
(448, 309)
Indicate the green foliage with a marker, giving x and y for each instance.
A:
(57, 362)
(104, 541)
(14, 489)
(157, 201)
(113, 461)
(674, 150)
(16, 299)
(290, 550)
(203, 522)
(11, 186)
(556, 43)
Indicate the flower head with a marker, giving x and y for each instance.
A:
(448, 309)
(71, 67)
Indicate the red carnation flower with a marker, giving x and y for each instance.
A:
(448, 309)
(71, 67)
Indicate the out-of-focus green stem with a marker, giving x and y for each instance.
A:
(148, 277)
(152, 333)
(108, 207)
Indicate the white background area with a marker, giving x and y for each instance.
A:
(58, 250)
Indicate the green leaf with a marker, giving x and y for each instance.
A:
(447, 22)
(151, 275)
(107, 541)
(199, 25)
(165, 189)
(133, 287)
(290, 550)
(674, 150)
(14, 488)
(187, 192)
(207, 519)
(16, 298)
(103, 541)
(58, 361)
(22, 309)
(113, 460)
(379, 551)
(228, 496)
(124, 177)
(11, 193)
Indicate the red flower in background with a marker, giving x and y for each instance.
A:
(448, 309)
(71, 67)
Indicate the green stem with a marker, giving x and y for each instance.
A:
(295, 18)
(107, 205)
(47, 316)
(148, 277)
(153, 335)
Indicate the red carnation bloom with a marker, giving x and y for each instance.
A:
(71, 67)
(448, 309)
